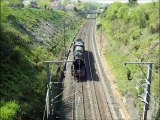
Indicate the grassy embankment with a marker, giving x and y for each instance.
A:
(132, 34)
(28, 38)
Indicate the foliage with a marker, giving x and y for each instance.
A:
(22, 68)
(113, 11)
(43, 3)
(132, 35)
(122, 12)
(14, 2)
(9, 110)
(158, 115)
(137, 17)
(65, 2)
(132, 1)
(86, 6)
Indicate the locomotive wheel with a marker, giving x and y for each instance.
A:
(72, 73)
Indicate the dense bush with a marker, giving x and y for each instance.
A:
(22, 68)
(9, 110)
(113, 10)
(132, 35)
(122, 12)
(137, 17)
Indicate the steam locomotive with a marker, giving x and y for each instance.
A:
(78, 67)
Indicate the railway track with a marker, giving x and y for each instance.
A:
(102, 110)
(103, 103)
(90, 80)
(80, 96)
(93, 98)
(75, 104)
(79, 102)
(111, 103)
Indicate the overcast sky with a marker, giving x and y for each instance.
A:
(111, 1)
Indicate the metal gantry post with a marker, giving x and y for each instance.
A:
(48, 74)
(48, 100)
(48, 96)
(147, 92)
(64, 35)
(146, 98)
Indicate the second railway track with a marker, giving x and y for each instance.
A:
(96, 85)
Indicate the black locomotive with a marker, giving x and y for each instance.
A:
(78, 67)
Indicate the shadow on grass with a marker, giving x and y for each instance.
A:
(19, 80)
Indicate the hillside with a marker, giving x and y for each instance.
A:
(28, 38)
(132, 35)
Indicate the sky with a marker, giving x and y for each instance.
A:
(111, 1)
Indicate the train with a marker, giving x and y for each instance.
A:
(78, 67)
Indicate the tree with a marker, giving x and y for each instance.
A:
(65, 2)
(15, 2)
(43, 3)
(75, 9)
(133, 1)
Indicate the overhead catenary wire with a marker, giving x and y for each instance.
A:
(142, 71)
(147, 92)
(65, 98)
(145, 88)
(154, 72)
(63, 90)
(45, 106)
(140, 83)
(140, 68)
(44, 112)
(52, 73)
(145, 75)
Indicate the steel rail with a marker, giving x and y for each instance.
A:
(105, 86)
(90, 97)
(74, 107)
(91, 75)
(79, 87)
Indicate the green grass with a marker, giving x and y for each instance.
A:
(22, 68)
(9, 110)
(132, 35)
